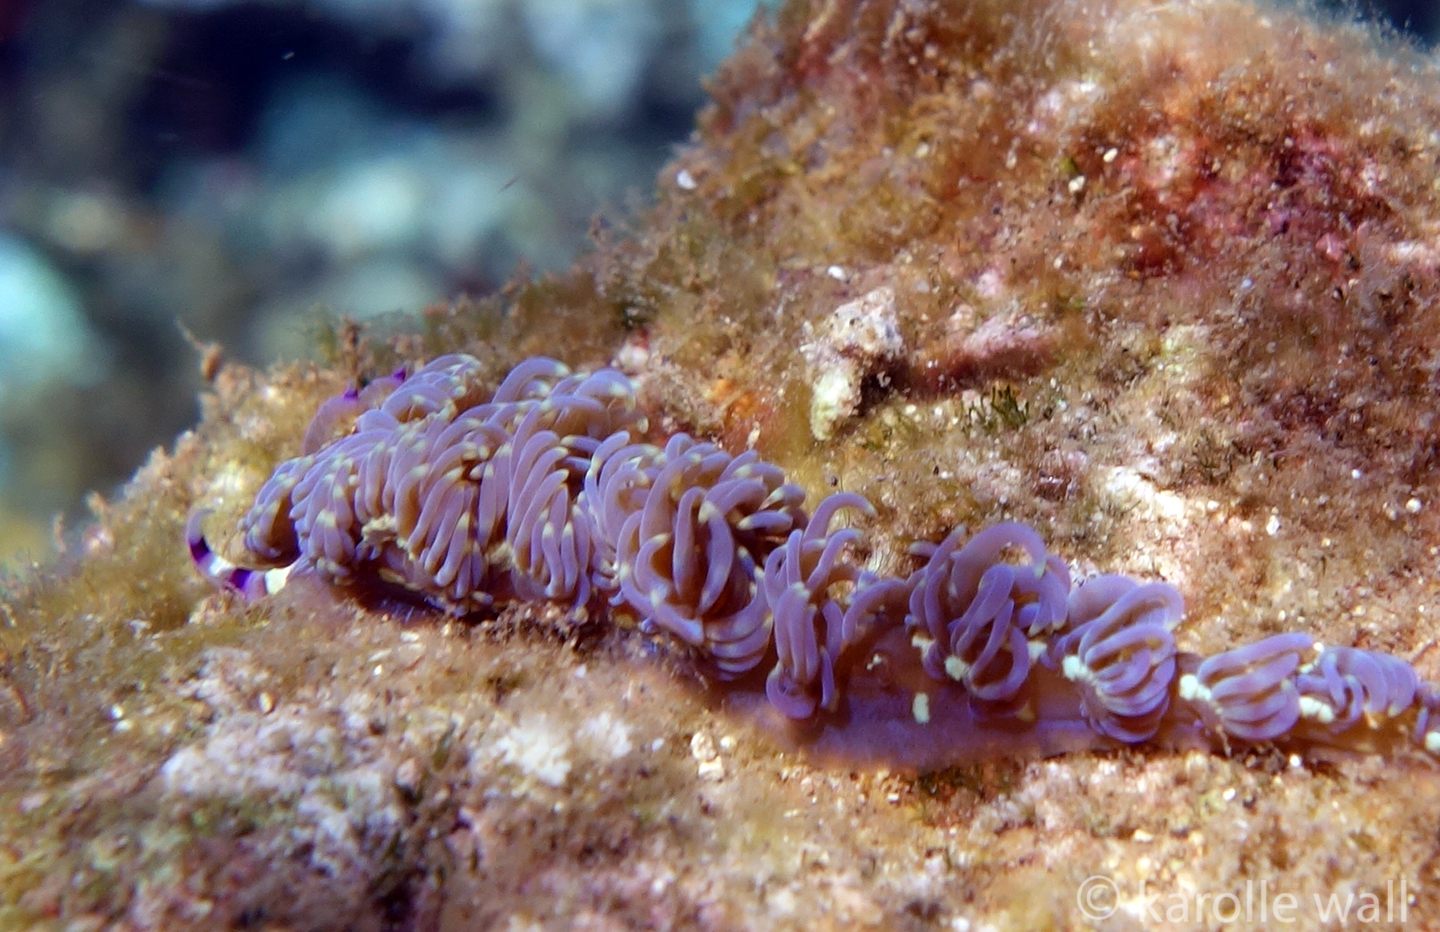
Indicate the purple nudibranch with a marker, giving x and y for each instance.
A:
(548, 490)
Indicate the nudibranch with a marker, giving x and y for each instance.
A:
(549, 489)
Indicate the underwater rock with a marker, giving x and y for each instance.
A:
(1224, 221)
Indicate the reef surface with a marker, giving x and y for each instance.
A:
(1157, 279)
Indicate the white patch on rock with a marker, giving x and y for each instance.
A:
(855, 341)
(1132, 489)
(538, 749)
(608, 735)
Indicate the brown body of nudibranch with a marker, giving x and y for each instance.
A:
(547, 490)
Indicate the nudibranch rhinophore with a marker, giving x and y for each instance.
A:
(548, 489)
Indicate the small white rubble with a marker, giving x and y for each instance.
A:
(855, 341)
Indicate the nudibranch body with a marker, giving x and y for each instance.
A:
(549, 489)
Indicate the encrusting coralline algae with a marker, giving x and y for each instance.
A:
(547, 490)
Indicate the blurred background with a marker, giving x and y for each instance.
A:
(239, 168)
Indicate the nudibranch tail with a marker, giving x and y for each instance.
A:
(548, 490)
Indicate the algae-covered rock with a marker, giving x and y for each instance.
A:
(1159, 279)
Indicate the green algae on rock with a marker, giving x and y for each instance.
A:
(1196, 245)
